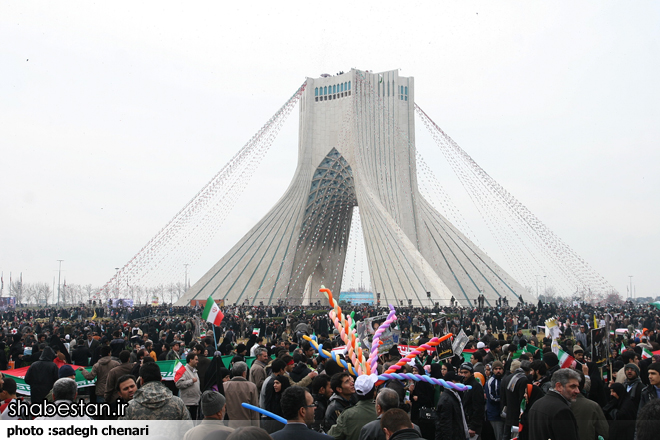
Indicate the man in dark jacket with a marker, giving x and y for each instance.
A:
(298, 409)
(386, 400)
(450, 421)
(651, 391)
(126, 367)
(42, 375)
(473, 400)
(493, 400)
(81, 354)
(551, 417)
(397, 426)
(512, 392)
(344, 396)
(633, 384)
(321, 392)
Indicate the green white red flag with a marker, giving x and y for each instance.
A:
(565, 359)
(179, 369)
(212, 312)
(646, 353)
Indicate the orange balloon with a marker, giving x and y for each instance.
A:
(480, 377)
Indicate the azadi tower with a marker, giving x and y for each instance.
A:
(356, 148)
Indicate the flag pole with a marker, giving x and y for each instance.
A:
(214, 340)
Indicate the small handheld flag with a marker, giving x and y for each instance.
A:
(179, 369)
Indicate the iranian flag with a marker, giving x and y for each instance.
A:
(179, 369)
(565, 359)
(621, 349)
(256, 331)
(646, 353)
(212, 312)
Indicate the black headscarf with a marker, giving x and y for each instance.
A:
(272, 401)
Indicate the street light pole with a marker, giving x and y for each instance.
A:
(537, 286)
(631, 291)
(117, 276)
(59, 277)
(185, 281)
(545, 285)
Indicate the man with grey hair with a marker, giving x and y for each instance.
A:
(386, 399)
(237, 391)
(258, 369)
(65, 392)
(213, 408)
(551, 416)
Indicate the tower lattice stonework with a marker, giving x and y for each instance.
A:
(356, 148)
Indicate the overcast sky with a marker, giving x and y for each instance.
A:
(113, 115)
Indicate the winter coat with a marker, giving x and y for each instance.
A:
(100, 371)
(155, 402)
(42, 375)
(449, 418)
(336, 406)
(258, 374)
(473, 406)
(551, 418)
(237, 391)
(113, 376)
(406, 434)
(648, 394)
(188, 389)
(590, 418)
(372, 431)
(321, 403)
(351, 421)
(493, 400)
(620, 414)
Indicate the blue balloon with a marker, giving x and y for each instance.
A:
(264, 412)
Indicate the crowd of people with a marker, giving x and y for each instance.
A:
(521, 382)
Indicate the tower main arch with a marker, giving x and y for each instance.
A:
(356, 147)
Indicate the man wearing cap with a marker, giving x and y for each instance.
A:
(64, 371)
(578, 354)
(493, 400)
(351, 421)
(633, 384)
(213, 409)
(473, 400)
(651, 391)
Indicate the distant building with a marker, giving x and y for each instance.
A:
(357, 297)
